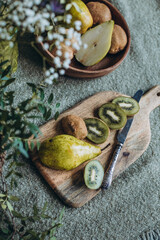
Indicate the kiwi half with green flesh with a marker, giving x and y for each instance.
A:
(129, 105)
(93, 174)
(98, 131)
(112, 115)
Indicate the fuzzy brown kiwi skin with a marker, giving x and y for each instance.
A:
(100, 12)
(119, 39)
(113, 107)
(75, 126)
(100, 139)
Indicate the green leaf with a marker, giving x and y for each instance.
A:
(13, 198)
(34, 129)
(44, 207)
(26, 145)
(5, 230)
(61, 214)
(3, 63)
(17, 215)
(2, 195)
(35, 210)
(18, 174)
(48, 114)
(41, 94)
(32, 145)
(9, 174)
(56, 115)
(45, 216)
(38, 145)
(42, 108)
(9, 206)
(50, 99)
(8, 82)
(57, 105)
(33, 86)
(3, 206)
(6, 71)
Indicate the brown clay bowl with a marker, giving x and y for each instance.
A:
(107, 64)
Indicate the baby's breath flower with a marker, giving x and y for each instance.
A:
(62, 72)
(46, 46)
(41, 17)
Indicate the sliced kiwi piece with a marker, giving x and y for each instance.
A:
(98, 131)
(112, 115)
(129, 105)
(93, 174)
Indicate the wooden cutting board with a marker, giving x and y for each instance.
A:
(69, 185)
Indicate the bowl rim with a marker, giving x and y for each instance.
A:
(111, 68)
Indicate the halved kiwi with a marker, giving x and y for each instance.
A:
(98, 131)
(93, 174)
(112, 115)
(129, 105)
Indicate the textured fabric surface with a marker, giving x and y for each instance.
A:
(132, 205)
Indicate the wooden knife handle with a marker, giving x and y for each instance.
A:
(109, 173)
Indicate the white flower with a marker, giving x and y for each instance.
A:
(46, 46)
(51, 70)
(67, 43)
(11, 44)
(59, 53)
(47, 73)
(66, 63)
(62, 72)
(62, 30)
(49, 81)
(39, 39)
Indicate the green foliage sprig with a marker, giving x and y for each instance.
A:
(16, 126)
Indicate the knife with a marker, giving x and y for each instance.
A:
(121, 137)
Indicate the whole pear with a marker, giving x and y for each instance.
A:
(65, 152)
(80, 11)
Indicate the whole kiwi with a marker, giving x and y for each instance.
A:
(100, 12)
(119, 39)
(75, 126)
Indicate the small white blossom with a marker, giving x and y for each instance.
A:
(49, 81)
(67, 43)
(46, 46)
(47, 73)
(51, 70)
(62, 72)
(59, 53)
(11, 44)
(39, 39)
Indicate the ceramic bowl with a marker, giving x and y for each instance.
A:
(107, 64)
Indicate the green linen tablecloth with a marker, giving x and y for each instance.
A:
(132, 205)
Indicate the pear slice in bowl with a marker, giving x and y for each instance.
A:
(98, 40)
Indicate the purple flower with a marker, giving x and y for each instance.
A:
(56, 6)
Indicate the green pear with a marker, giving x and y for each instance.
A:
(98, 40)
(65, 152)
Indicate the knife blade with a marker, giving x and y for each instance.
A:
(121, 137)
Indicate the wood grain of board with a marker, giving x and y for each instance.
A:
(69, 185)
